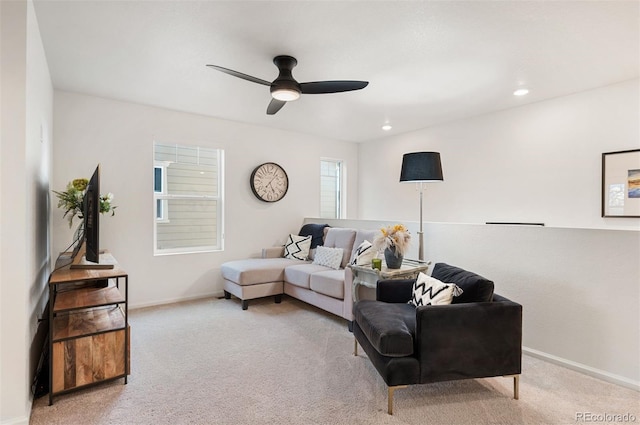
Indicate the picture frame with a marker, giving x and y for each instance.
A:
(621, 184)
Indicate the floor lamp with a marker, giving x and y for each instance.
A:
(421, 167)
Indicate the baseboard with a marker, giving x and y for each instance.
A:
(17, 421)
(587, 370)
(175, 300)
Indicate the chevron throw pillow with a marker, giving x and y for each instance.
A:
(363, 255)
(297, 247)
(428, 290)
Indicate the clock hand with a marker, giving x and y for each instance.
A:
(271, 181)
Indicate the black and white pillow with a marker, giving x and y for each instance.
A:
(297, 247)
(428, 290)
(363, 254)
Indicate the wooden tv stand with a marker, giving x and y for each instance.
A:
(89, 335)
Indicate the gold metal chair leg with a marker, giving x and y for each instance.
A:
(390, 397)
(516, 386)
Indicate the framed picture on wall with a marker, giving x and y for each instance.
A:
(621, 184)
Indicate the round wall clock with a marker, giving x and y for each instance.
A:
(269, 182)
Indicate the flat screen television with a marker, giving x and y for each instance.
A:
(92, 217)
(87, 252)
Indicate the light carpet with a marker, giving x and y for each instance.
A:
(210, 362)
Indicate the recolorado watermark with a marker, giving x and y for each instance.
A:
(590, 417)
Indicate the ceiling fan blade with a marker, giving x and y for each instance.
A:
(319, 87)
(240, 75)
(274, 106)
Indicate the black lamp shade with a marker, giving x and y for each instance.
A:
(421, 167)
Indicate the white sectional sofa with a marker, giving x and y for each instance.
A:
(318, 285)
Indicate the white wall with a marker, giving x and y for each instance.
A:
(39, 157)
(578, 278)
(25, 166)
(13, 361)
(119, 135)
(535, 163)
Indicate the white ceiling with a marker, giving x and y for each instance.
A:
(427, 62)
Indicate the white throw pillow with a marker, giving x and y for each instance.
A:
(297, 247)
(363, 254)
(428, 290)
(329, 257)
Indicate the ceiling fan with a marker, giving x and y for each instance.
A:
(285, 88)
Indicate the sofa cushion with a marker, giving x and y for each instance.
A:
(475, 287)
(329, 257)
(256, 270)
(297, 247)
(316, 231)
(299, 274)
(427, 290)
(329, 282)
(341, 238)
(389, 327)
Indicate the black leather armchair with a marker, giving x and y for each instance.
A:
(479, 335)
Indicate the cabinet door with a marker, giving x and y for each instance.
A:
(82, 361)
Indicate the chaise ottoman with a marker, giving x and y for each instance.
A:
(255, 278)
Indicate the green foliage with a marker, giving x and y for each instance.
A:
(72, 200)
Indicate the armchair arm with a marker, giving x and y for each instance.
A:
(469, 340)
(273, 252)
(394, 290)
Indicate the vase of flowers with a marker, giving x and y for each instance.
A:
(392, 258)
(394, 241)
(72, 200)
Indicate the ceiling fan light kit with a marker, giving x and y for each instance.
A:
(286, 89)
(284, 94)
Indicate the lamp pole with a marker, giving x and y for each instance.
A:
(420, 233)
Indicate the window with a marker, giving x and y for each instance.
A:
(159, 186)
(188, 201)
(331, 176)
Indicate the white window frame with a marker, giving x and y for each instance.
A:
(165, 197)
(341, 210)
(164, 207)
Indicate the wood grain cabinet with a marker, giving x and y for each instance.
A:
(89, 334)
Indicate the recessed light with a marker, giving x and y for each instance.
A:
(521, 92)
(387, 127)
